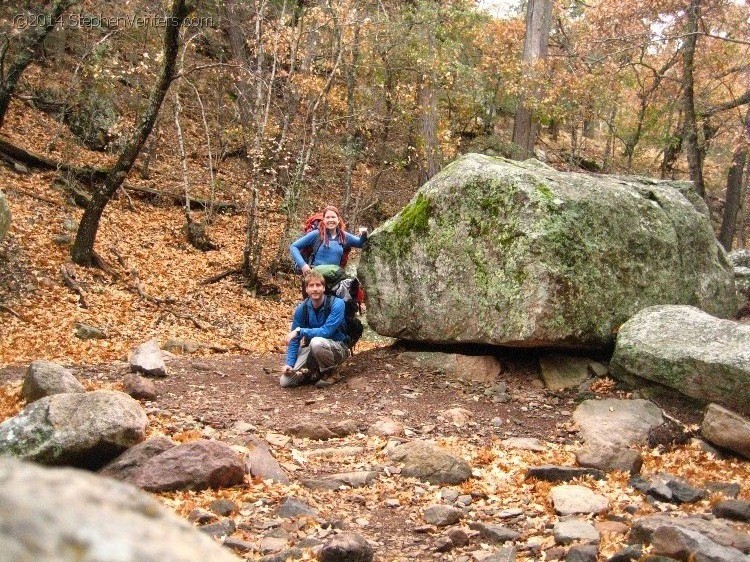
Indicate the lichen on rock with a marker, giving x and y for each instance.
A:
(515, 253)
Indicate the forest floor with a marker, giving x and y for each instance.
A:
(236, 398)
(229, 389)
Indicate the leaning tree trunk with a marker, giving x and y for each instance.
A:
(83, 248)
(29, 40)
(734, 188)
(690, 130)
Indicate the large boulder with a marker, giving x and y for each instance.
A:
(515, 253)
(67, 515)
(688, 350)
(4, 216)
(85, 430)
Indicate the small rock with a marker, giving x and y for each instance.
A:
(88, 332)
(458, 537)
(283, 556)
(262, 464)
(130, 462)
(612, 527)
(293, 507)
(496, 534)
(598, 370)
(730, 490)
(344, 428)
(575, 530)
(563, 371)
(222, 528)
(441, 515)
(223, 507)
(392, 502)
(354, 479)
(685, 544)
(632, 552)
(609, 459)
(44, 378)
(201, 516)
(147, 359)
(552, 473)
(238, 545)
(139, 387)
(464, 499)
(449, 494)
(582, 553)
(572, 499)
(736, 510)
(310, 430)
(269, 545)
(456, 416)
(386, 427)
(430, 463)
(443, 544)
(727, 429)
(346, 547)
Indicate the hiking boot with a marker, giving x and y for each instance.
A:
(323, 383)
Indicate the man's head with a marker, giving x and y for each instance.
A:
(315, 285)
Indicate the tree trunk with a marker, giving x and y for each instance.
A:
(536, 40)
(239, 75)
(353, 143)
(609, 145)
(83, 248)
(427, 101)
(29, 41)
(690, 128)
(734, 188)
(428, 130)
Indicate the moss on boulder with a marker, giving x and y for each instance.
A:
(686, 349)
(515, 253)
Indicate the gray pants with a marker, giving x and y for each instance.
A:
(315, 361)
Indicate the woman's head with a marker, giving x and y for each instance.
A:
(331, 222)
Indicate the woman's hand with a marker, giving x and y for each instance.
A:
(305, 269)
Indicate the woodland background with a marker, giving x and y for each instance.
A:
(180, 160)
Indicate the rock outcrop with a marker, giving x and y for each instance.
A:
(686, 349)
(511, 253)
(67, 515)
(85, 430)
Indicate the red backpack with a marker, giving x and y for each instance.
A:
(308, 254)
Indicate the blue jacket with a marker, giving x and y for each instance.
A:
(319, 326)
(327, 254)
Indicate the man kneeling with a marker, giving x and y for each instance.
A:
(317, 342)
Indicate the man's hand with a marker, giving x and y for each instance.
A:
(306, 268)
(291, 335)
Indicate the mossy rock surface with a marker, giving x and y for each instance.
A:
(686, 349)
(500, 252)
(4, 216)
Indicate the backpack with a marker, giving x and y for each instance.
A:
(348, 289)
(308, 254)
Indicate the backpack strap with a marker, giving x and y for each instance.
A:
(307, 312)
(326, 309)
(316, 247)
